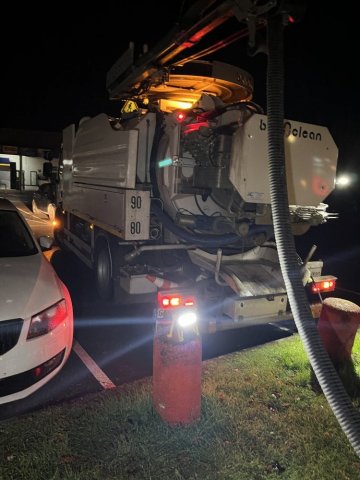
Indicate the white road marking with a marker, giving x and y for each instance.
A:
(285, 329)
(93, 367)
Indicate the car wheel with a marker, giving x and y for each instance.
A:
(51, 210)
(103, 270)
(34, 208)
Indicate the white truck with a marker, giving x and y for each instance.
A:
(173, 192)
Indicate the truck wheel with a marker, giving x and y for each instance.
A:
(103, 269)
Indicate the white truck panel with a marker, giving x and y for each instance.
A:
(311, 159)
(137, 215)
(146, 129)
(126, 212)
(253, 273)
(258, 307)
(104, 156)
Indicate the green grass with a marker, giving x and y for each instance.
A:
(260, 420)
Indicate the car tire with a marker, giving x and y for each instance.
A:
(103, 271)
(34, 208)
(51, 210)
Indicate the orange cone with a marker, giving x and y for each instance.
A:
(337, 327)
(177, 379)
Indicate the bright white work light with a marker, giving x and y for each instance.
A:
(343, 181)
(187, 319)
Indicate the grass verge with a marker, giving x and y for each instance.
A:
(260, 420)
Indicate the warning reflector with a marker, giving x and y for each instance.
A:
(129, 107)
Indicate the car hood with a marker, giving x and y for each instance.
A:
(28, 285)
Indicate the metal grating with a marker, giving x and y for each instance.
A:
(9, 334)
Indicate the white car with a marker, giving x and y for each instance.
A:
(36, 315)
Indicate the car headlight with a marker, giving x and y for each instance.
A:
(47, 320)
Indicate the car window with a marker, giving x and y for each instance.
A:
(15, 239)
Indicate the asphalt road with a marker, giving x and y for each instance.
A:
(117, 339)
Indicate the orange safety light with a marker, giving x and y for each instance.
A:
(165, 302)
(173, 300)
(326, 284)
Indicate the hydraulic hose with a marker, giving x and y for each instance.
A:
(332, 387)
(205, 240)
(210, 241)
(197, 239)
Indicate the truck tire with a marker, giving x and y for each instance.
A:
(103, 271)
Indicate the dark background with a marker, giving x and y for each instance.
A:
(54, 63)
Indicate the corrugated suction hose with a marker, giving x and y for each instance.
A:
(340, 403)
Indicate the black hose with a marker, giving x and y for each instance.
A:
(159, 131)
(340, 403)
(210, 241)
(197, 239)
(205, 240)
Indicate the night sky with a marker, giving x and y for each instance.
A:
(54, 62)
(54, 65)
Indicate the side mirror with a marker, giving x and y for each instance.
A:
(46, 242)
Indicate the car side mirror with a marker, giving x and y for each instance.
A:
(46, 242)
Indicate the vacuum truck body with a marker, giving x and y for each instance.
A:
(174, 193)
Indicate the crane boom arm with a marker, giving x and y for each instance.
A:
(200, 19)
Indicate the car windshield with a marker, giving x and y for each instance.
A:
(15, 239)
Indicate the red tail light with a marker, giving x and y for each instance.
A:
(180, 116)
(173, 300)
(326, 284)
(189, 302)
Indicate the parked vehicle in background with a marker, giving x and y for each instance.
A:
(36, 315)
(44, 200)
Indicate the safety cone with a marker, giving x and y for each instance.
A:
(337, 326)
(177, 378)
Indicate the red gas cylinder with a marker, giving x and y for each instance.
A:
(177, 378)
(337, 327)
